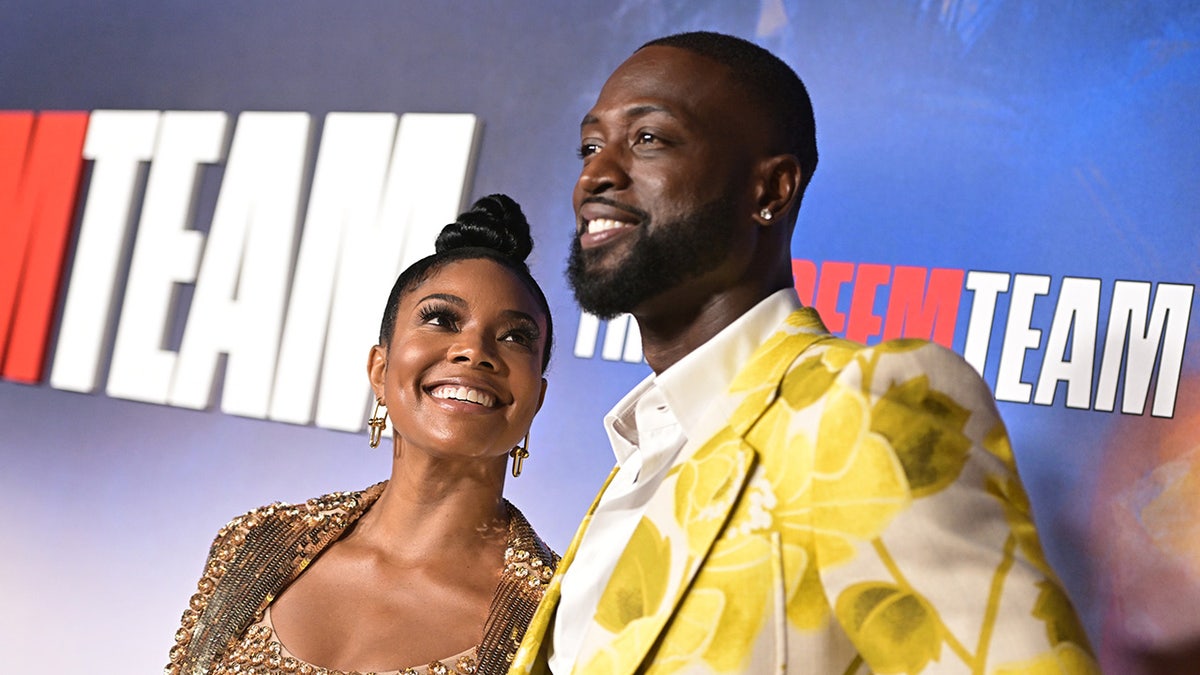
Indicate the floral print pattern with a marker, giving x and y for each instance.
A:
(860, 513)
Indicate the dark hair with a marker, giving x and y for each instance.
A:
(495, 229)
(771, 83)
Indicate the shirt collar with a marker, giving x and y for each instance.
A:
(694, 382)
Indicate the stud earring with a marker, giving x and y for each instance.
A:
(377, 422)
(519, 455)
(766, 214)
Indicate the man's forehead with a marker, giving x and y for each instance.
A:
(663, 79)
(659, 62)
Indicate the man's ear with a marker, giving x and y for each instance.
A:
(377, 369)
(780, 181)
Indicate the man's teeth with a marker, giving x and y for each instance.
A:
(603, 224)
(465, 394)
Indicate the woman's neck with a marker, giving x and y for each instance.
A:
(435, 506)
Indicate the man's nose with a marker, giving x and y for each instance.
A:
(604, 171)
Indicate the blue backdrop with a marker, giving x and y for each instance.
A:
(1028, 142)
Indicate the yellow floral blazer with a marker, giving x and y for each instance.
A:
(859, 513)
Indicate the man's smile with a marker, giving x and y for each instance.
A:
(604, 224)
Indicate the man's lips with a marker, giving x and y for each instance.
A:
(603, 220)
(600, 232)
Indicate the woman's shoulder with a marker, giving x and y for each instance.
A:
(333, 507)
(527, 549)
(253, 556)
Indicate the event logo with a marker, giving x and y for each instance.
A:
(290, 333)
(1142, 342)
(159, 291)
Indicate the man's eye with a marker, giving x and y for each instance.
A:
(587, 150)
(644, 138)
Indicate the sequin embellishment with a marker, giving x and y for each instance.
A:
(244, 573)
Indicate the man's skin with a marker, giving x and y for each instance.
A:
(670, 131)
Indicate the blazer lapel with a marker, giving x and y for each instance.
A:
(531, 656)
(691, 508)
(667, 549)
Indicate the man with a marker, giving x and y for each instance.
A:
(784, 501)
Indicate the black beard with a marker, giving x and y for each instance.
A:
(661, 258)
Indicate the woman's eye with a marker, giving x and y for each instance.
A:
(439, 318)
(525, 336)
(522, 338)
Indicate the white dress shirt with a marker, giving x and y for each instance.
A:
(660, 422)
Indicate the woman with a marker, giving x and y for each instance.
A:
(431, 571)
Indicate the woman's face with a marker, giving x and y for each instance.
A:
(462, 375)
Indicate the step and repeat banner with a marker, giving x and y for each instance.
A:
(203, 205)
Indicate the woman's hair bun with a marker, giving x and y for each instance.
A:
(494, 222)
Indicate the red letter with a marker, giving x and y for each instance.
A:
(834, 275)
(914, 313)
(805, 274)
(863, 323)
(39, 181)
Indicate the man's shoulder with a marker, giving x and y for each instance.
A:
(900, 353)
(876, 370)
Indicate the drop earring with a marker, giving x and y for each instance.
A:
(377, 422)
(519, 455)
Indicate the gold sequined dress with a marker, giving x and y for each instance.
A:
(226, 627)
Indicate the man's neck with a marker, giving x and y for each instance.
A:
(671, 333)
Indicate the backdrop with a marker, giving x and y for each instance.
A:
(202, 206)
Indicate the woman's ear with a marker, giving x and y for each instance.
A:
(377, 369)
(541, 397)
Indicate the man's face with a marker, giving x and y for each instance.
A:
(664, 200)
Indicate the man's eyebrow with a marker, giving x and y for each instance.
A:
(631, 113)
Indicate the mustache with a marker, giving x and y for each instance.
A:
(628, 208)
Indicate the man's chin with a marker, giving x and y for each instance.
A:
(601, 303)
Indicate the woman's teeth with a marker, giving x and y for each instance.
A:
(464, 394)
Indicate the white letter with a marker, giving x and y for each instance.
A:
(432, 159)
(1168, 324)
(1075, 320)
(119, 141)
(242, 285)
(619, 340)
(585, 338)
(165, 253)
(986, 286)
(347, 187)
(1019, 337)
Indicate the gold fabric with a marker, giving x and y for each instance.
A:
(258, 554)
(260, 647)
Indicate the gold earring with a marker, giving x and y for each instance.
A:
(377, 422)
(766, 213)
(519, 455)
